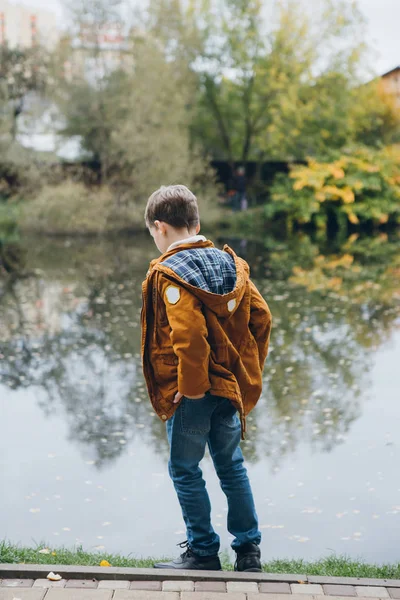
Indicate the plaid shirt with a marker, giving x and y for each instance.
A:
(209, 269)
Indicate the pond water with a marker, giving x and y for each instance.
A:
(83, 458)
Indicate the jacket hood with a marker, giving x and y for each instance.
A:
(226, 272)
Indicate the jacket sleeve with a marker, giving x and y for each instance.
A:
(189, 338)
(260, 323)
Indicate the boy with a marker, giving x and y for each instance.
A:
(205, 334)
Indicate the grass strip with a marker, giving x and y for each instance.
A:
(331, 566)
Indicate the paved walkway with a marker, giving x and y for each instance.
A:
(104, 584)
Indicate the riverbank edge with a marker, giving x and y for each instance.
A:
(14, 558)
(67, 572)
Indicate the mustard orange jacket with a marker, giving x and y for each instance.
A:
(196, 341)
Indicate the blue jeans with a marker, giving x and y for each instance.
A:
(214, 421)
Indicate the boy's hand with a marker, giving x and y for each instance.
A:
(179, 396)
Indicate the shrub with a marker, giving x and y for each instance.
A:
(68, 208)
(358, 187)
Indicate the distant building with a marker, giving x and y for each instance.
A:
(24, 27)
(391, 83)
(97, 51)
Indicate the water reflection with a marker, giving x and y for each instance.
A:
(74, 410)
(70, 330)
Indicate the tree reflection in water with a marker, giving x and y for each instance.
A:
(71, 331)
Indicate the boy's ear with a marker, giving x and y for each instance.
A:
(197, 228)
(161, 226)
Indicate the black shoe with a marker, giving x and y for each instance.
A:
(248, 558)
(190, 560)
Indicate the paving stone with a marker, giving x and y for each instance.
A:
(154, 586)
(358, 598)
(353, 581)
(213, 596)
(343, 598)
(394, 593)
(339, 590)
(144, 595)
(78, 594)
(178, 586)
(210, 586)
(113, 584)
(22, 593)
(21, 583)
(46, 583)
(281, 597)
(242, 586)
(273, 587)
(82, 583)
(371, 592)
(313, 589)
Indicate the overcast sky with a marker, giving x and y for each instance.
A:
(383, 18)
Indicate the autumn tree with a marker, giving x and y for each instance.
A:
(22, 70)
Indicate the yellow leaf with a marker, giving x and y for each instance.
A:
(337, 172)
(353, 238)
(348, 196)
(344, 261)
(353, 218)
(54, 553)
(299, 184)
(105, 563)
(335, 282)
(383, 219)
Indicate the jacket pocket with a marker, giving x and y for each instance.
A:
(219, 354)
(166, 369)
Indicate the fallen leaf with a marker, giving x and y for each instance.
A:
(53, 577)
(44, 551)
(105, 563)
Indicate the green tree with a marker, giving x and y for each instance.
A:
(260, 82)
(133, 117)
(21, 71)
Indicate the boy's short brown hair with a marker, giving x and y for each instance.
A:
(173, 204)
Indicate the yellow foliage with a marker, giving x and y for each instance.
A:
(298, 271)
(336, 171)
(344, 261)
(320, 196)
(353, 218)
(333, 191)
(299, 184)
(335, 282)
(372, 169)
(353, 238)
(348, 195)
